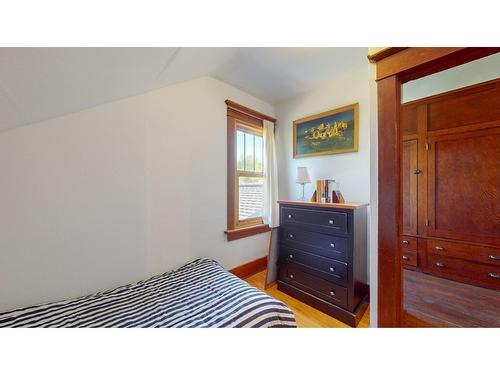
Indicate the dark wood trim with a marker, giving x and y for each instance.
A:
(248, 111)
(413, 63)
(383, 53)
(250, 268)
(236, 234)
(389, 261)
(407, 64)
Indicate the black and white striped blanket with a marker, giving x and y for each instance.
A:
(199, 294)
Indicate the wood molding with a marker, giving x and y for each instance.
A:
(249, 111)
(413, 63)
(386, 52)
(250, 268)
(235, 234)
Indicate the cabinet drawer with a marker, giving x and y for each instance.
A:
(410, 258)
(482, 254)
(303, 279)
(408, 243)
(329, 222)
(463, 270)
(333, 269)
(317, 243)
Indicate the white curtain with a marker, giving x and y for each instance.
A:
(270, 214)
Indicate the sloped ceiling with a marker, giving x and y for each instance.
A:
(41, 83)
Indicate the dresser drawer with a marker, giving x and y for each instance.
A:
(409, 258)
(463, 270)
(329, 222)
(482, 254)
(408, 243)
(333, 269)
(303, 279)
(317, 243)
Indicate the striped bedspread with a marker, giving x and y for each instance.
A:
(199, 294)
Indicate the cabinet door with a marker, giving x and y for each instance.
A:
(464, 186)
(409, 187)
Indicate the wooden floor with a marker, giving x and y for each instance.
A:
(434, 301)
(307, 317)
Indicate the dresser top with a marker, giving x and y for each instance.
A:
(348, 206)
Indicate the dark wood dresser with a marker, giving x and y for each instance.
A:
(450, 185)
(323, 257)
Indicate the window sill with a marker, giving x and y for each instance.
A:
(236, 234)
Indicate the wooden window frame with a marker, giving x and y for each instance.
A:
(249, 121)
(395, 66)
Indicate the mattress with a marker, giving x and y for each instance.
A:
(199, 294)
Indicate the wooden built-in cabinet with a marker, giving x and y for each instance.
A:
(450, 185)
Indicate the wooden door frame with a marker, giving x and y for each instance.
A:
(395, 66)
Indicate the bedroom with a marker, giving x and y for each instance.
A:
(254, 186)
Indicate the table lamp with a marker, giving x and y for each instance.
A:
(303, 178)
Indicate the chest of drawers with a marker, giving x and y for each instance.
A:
(323, 257)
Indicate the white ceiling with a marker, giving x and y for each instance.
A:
(41, 83)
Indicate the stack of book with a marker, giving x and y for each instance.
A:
(326, 192)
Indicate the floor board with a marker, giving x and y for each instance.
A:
(307, 316)
(441, 302)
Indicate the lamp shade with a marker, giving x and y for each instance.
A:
(303, 176)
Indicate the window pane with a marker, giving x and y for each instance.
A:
(251, 197)
(240, 150)
(249, 155)
(259, 152)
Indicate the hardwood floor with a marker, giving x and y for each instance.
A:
(307, 316)
(434, 301)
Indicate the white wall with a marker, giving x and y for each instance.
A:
(351, 170)
(116, 193)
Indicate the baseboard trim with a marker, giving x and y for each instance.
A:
(250, 268)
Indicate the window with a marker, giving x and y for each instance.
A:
(245, 172)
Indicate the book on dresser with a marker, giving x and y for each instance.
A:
(323, 257)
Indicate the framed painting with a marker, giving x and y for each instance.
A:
(331, 132)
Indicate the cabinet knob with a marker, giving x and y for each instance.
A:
(417, 171)
(494, 275)
(332, 245)
(291, 256)
(289, 216)
(439, 248)
(332, 293)
(405, 242)
(330, 221)
(332, 269)
(440, 264)
(290, 235)
(494, 257)
(291, 276)
(406, 257)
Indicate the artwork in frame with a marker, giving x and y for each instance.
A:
(331, 132)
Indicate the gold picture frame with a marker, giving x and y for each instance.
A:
(339, 136)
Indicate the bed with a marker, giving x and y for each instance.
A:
(199, 294)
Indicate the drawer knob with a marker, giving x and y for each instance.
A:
(291, 256)
(440, 264)
(332, 293)
(289, 216)
(494, 275)
(494, 257)
(291, 276)
(332, 245)
(439, 248)
(405, 257)
(405, 242)
(332, 269)
(330, 221)
(417, 171)
(290, 235)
